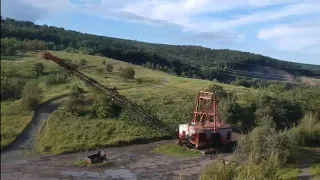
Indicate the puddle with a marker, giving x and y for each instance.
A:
(113, 173)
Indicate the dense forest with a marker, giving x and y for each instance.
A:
(189, 61)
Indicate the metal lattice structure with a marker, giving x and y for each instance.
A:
(206, 109)
(136, 112)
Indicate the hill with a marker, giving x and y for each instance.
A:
(88, 125)
(187, 61)
(158, 91)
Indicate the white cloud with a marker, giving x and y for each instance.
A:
(298, 37)
(214, 19)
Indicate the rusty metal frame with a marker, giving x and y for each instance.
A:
(206, 109)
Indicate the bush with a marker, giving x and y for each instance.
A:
(127, 73)
(75, 103)
(83, 62)
(218, 90)
(104, 61)
(283, 112)
(308, 130)
(54, 79)
(70, 50)
(109, 68)
(104, 108)
(39, 69)
(100, 70)
(259, 155)
(31, 96)
(11, 88)
(219, 170)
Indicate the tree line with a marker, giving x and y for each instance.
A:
(188, 61)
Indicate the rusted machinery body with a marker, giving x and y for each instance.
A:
(205, 130)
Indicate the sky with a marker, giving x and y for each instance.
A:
(283, 29)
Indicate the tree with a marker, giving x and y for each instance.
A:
(104, 108)
(39, 68)
(31, 96)
(218, 90)
(127, 73)
(109, 67)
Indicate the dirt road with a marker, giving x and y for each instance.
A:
(131, 162)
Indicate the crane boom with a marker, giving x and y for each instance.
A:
(137, 112)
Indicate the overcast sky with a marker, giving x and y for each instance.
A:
(284, 29)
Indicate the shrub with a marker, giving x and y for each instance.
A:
(53, 79)
(39, 69)
(127, 73)
(109, 68)
(70, 50)
(75, 103)
(104, 108)
(83, 62)
(104, 61)
(11, 88)
(308, 130)
(218, 90)
(100, 70)
(10, 51)
(219, 170)
(31, 96)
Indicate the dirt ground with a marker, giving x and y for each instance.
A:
(132, 162)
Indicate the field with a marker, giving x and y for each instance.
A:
(170, 97)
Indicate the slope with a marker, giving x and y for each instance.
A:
(170, 97)
(190, 61)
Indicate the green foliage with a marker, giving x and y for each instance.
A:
(10, 51)
(83, 62)
(104, 61)
(127, 73)
(100, 70)
(241, 82)
(259, 155)
(109, 67)
(195, 61)
(218, 90)
(283, 112)
(75, 103)
(39, 69)
(31, 96)
(11, 88)
(219, 170)
(71, 50)
(229, 109)
(308, 130)
(104, 108)
(54, 79)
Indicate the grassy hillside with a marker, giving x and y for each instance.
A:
(189, 61)
(173, 98)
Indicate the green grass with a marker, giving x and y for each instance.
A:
(13, 122)
(289, 173)
(315, 171)
(175, 150)
(172, 102)
(297, 159)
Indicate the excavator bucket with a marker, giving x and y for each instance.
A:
(95, 158)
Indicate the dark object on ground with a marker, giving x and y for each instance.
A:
(95, 158)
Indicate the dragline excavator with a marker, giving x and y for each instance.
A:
(204, 131)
